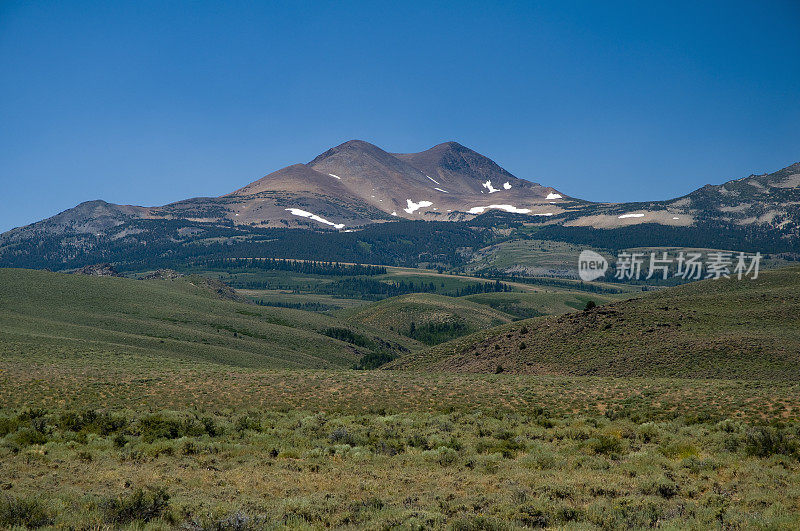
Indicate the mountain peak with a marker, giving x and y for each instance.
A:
(351, 146)
(449, 159)
(356, 143)
(449, 145)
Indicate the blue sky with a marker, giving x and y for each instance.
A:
(151, 102)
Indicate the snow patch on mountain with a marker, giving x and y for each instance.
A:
(553, 196)
(507, 208)
(507, 185)
(305, 214)
(432, 179)
(623, 216)
(445, 191)
(488, 186)
(412, 206)
(335, 176)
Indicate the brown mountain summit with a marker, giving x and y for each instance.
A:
(357, 183)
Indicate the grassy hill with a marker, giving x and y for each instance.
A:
(120, 321)
(748, 329)
(439, 318)
(535, 304)
(428, 317)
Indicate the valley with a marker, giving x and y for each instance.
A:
(177, 400)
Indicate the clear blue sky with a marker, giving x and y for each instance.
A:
(150, 102)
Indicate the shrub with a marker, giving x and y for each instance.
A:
(419, 441)
(155, 427)
(491, 463)
(373, 360)
(479, 523)
(341, 436)
(8, 425)
(727, 426)
(237, 521)
(120, 441)
(605, 444)
(764, 441)
(695, 464)
(189, 448)
(28, 437)
(92, 422)
(540, 459)
(648, 432)
(506, 447)
(679, 450)
(662, 486)
(22, 512)
(31, 414)
(211, 427)
(443, 455)
(84, 455)
(248, 422)
(136, 506)
(159, 448)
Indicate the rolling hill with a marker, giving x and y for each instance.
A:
(428, 317)
(163, 322)
(737, 329)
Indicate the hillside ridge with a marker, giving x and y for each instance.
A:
(728, 328)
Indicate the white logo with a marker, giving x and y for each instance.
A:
(591, 265)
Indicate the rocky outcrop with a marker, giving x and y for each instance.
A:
(98, 270)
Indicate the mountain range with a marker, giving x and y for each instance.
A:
(356, 184)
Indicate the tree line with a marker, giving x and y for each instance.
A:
(308, 267)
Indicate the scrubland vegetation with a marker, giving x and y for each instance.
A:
(249, 449)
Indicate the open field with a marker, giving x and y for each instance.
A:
(250, 449)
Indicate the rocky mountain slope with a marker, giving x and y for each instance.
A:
(348, 186)
(356, 183)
